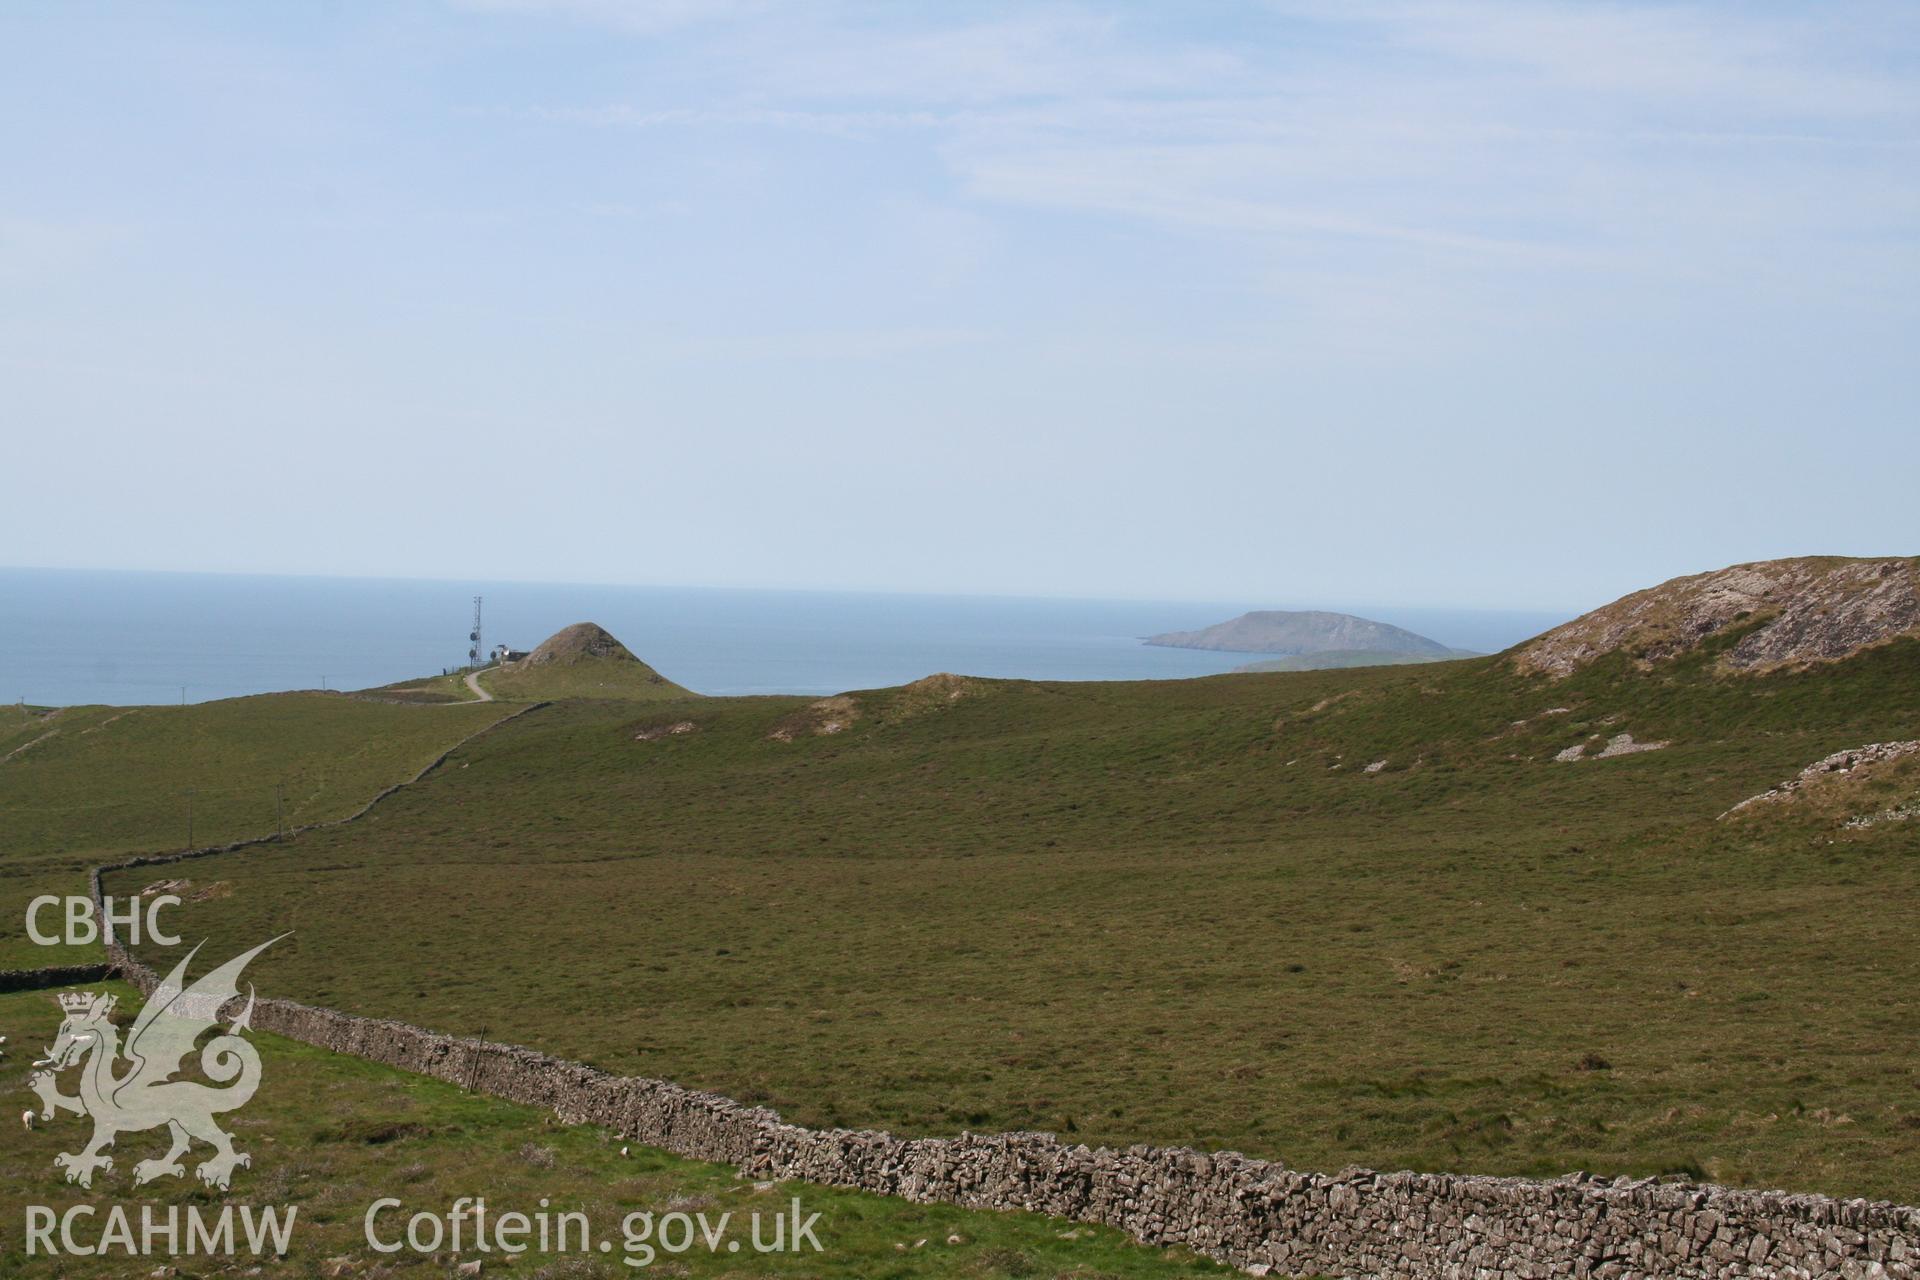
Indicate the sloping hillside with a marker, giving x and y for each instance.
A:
(1388, 917)
(1790, 612)
(79, 783)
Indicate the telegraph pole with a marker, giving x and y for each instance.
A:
(189, 819)
(279, 811)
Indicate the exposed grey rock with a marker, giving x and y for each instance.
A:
(1839, 763)
(1622, 744)
(1812, 609)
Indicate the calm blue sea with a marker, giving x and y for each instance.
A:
(70, 637)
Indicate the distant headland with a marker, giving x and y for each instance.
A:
(1311, 639)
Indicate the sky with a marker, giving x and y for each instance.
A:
(1463, 303)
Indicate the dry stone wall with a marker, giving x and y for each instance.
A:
(1256, 1214)
(67, 975)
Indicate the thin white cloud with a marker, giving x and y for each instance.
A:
(1192, 187)
(1669, 140)
(1053, 54)
(1746, 58)
(842, 123)
(642, 17)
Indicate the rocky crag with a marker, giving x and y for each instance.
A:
(1839, 768)
(1810, 609)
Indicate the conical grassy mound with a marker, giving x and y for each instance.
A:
(580, 661)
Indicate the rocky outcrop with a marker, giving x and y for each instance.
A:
(1621, 744)
(1840, 764)
(1814, 609)
(826, 716)
(659, 731)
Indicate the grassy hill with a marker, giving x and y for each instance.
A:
(1357, 916)
(425, 689)
(581, 661)
(80, 784)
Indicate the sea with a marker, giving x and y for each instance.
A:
(72, 637)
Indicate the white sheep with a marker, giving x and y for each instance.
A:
(26, 1118)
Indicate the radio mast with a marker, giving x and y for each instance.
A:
(473, 638)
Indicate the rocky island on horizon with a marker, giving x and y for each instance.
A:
(1311, 639)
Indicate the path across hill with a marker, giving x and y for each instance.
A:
(473, 683)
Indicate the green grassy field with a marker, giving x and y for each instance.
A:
(86, 783)
(1182, 912)
(625, 681)
(332, 1135)
(428, 689)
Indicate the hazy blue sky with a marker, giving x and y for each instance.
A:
(1465, 303)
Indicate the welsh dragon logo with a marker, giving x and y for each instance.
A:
(143, 1094)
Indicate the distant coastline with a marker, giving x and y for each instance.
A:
(72, 637)
(1340, 659)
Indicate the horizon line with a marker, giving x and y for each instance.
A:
(760, 588)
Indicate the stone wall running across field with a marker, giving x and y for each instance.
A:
(1256, 1214)
(66, 975)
